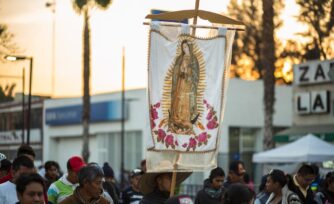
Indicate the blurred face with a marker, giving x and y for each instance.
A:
(135, 182)
(185, 48)
(164, 182)
(305, 181)
(33, 194)
(52, 172)
(236, 177)
(217, 182)
(73, 177)
(22, 170)
(272, 186)
(95, 187)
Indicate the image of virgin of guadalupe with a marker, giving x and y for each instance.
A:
(185, 76)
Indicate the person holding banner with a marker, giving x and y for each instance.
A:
(156, 187)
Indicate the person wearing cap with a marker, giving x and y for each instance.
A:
(90, 189)
(65, 186)
(156, 187)
(21, 165)
(213, 188)
(300, 183)
(132, 194)
(236, 173)
(277, 186)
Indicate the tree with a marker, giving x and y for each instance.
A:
(84, 7)
(6, 44)
(319, 17)
(246, 59)
(6, 94)
(268, 64)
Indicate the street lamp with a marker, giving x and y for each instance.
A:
(14, 58)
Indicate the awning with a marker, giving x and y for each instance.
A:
(325, 132)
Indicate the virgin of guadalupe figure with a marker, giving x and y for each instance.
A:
(185, 76)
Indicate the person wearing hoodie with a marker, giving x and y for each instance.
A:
(279, 192)
(213, 189)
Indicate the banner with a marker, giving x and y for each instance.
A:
(187, 82)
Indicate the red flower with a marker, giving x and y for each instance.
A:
(169, 140)
(184, 145)
(212, 124)
(205, 102)
(192, 143)
(157, 105)
(154, 114)
(202, 137)
(152, 124)
(161, 134)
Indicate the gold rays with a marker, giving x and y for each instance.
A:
(167, 88)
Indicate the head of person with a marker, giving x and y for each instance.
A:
(30, 189)
(108, 171)
(276, 180)
(74, 164)
(217, 177)
(329, 182)
(305, 175)
(164, 182)
(135, 176)
(51, 169)
(27, 151)
(5, 166)
(180, 199)
(185, 47)
(238, 193)
(22, 165)
(236, 172)
(90, 180)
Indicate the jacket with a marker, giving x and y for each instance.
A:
(209, 195)
(75, 198)
(156, 197)
(288, 197)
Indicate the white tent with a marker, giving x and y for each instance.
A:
(309, 148)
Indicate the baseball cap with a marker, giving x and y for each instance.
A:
(136, 172)
(76, 163)
(2, 156)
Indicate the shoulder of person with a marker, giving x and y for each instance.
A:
(69, 200)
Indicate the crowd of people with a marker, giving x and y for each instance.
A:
(21, 182)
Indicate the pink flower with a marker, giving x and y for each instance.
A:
(184, 145)
(192, 143)
(154, 114)
(202, 137)
(212, 124)
(209, 116)
(169, 140)
(157, 105)
(205, 102)
(161, 134)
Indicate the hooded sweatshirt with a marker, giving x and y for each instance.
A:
(209, 195)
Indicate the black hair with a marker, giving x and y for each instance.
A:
(25, 149)
(329, 179)
(215, 173)
(89, 173)
(5, 165)
(50, 164)
(306, 169)
(238, 194)
(263, 183)
(26, 179)
(22, 161)
(278, 176)
(234, 166)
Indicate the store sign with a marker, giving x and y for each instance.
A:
(102, 111)
(313, 72)
(312, 102)
(15, 137)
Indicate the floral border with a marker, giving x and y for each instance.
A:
(168, 138)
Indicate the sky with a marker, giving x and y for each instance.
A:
(121, 25)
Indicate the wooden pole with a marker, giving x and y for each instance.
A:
(195, 17)
(172, 188)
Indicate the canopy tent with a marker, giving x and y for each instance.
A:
(307, 149)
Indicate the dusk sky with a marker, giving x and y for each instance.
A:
(121, 25)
